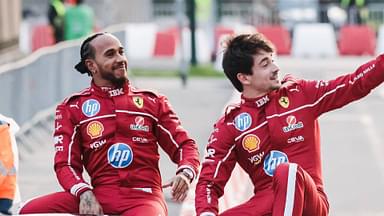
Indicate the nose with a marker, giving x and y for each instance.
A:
(121, 58)
(275, 67)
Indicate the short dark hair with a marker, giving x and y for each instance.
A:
(239, 53)
(87, 51)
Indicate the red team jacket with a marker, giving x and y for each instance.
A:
(115, 133)
(279, 127)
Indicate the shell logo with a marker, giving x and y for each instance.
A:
(251, 143)
(95, 129)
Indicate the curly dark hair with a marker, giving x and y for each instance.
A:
(87, 51)
(239, 53)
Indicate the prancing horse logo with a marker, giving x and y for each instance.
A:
(284, 102)
(138, 101)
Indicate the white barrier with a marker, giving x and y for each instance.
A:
(314, 40)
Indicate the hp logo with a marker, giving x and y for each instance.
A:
(120, 155)
(272, 160)
(90, 107)
(243, 121)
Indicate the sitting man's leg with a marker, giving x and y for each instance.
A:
(60, 202)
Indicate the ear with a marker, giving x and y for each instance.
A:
(243, 78)
(90, 65)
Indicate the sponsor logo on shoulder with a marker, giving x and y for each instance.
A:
(90, 107)
(273, 160)
(292, 124)
(284, 102)
(120, 155)
(152, 99)
(138, 101)
(243, 121)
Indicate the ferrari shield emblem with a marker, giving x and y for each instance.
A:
(138, 101)
(284, 102)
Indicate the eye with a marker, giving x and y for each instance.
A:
(109, 54)
(264, 63)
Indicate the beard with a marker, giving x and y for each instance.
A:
(117, 81)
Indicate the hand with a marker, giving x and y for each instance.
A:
(180, 186)
(89, 204)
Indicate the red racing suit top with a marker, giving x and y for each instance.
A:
(114, 134)
(279, 127)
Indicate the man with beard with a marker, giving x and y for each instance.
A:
(114, 130)
(273, 133)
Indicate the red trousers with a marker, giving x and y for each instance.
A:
(293, 193)
(113, 199)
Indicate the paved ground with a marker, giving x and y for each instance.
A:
(352, 147)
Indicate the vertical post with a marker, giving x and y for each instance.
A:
(192, 27)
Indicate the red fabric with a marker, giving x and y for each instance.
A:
(114, 201)
(261, 133)
(279, 36)
(127, 115)
(116, 135)
(357, 40)
(307, 200)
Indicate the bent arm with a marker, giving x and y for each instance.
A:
(68, 164)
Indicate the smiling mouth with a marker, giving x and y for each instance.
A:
(120, 67)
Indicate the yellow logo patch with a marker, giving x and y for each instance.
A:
(95, 129)
(251, 143)
(138, 101)
(284, 102)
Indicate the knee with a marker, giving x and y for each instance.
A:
(29, 207)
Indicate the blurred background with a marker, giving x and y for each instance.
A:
(175, 47)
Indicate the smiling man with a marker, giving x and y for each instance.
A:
(273, 133)
(114, 130)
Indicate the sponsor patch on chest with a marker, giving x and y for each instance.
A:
(139, 124)
(292, 124)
